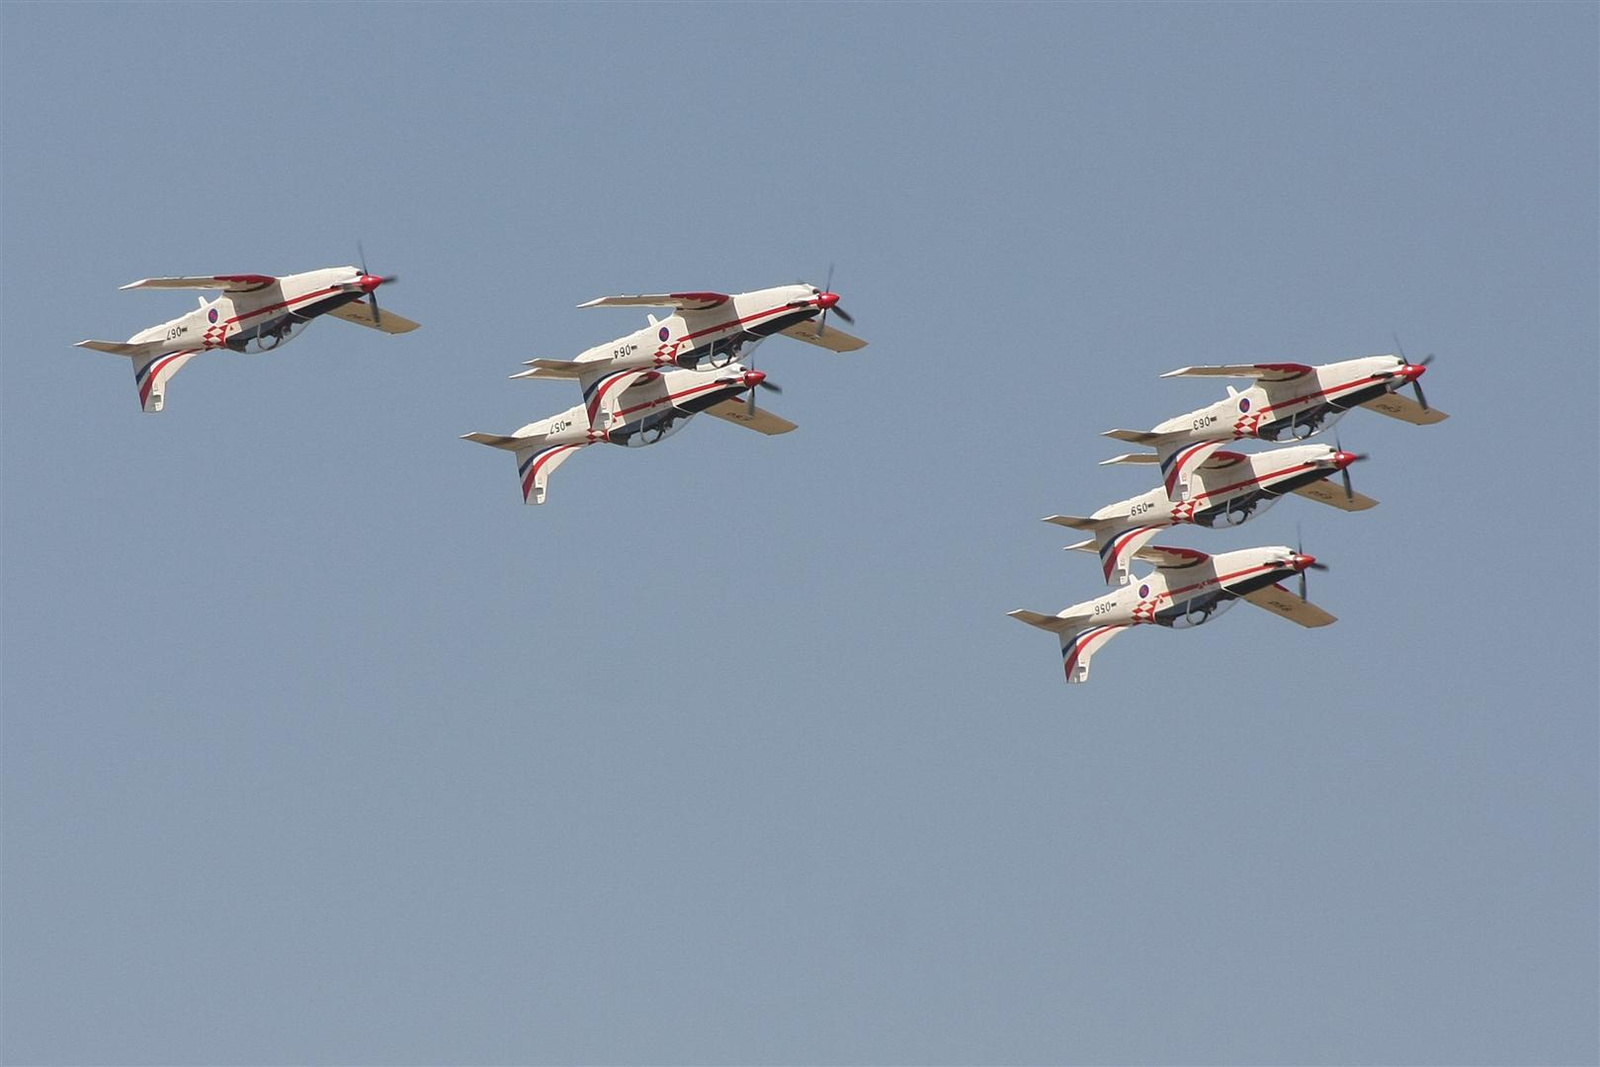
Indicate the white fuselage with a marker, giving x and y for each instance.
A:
(1293, 409)
(261, 318)
(653, 406)
(1189, 596)
(1229, 493)
(716, 335)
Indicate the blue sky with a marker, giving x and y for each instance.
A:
(319, 746)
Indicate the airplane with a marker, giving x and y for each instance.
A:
(1187, 588)
(1289, 400)
(655, 404)
(712, 328)
(255, 312)
(1229, 489)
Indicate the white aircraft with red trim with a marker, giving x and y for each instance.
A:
(1228, 489)
(253, 313)
(1187, 588)
(655, 403)
(1288, 401)
(715, 329)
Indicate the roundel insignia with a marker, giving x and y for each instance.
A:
(211, 316)
(664, 334)
(1244, 405)
(1144, 591)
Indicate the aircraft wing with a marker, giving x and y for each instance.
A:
(1265, 372)
(1405, 409)
(1327, 493)
(834, 340)
(360, 313)
(228, 283)
(1279, 601)
(681, 301)
(738, 411)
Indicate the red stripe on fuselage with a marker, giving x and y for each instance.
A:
(1258, 480)
(740, 322)
(1321, 393)
(283, 304)
(671, 398)
(1219, 580)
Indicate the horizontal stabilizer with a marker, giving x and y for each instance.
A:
(1088, 544)
(762, 421)
(1054, 623)
(1144, 437)
(1263, 372)
(360, 313)
(1405, 409)
(565, 369)
(1216, 461)
(681, 301)
(228, 283)
(1326, 493)
(1076, 522)
(123, 348)
(506, 441)
(1279, 601)
(833, 339)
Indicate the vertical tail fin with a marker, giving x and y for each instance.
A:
(536, 464)
(537, 459)
(1079, 639)
(1179, 461)
(151, 374)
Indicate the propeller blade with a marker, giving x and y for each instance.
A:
(1417, 387)
(843, 314)
(1303, 586)
(361, 254)
(377, 316)
(1349, 490)
(771, 388)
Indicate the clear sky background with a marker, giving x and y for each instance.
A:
(320, 747)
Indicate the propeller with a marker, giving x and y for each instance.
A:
(828, 300)
(1303, 563)
(369, 284)
(754, 378)
(1414, 371)
(1342, 460)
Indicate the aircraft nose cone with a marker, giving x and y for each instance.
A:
(369, 282)
(754, 377)
(827, 300)
(1301, 561)
(1341, 460)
